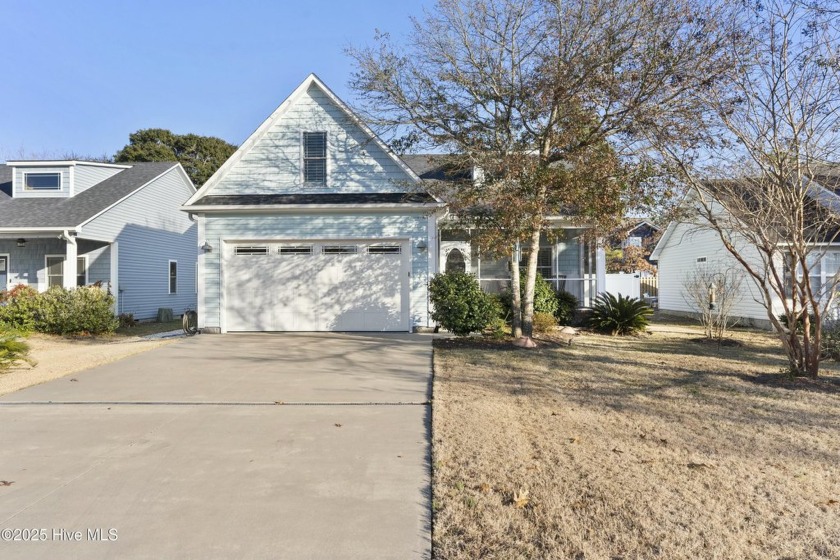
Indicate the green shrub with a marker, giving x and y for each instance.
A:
(619, 315)
(460, 305)
(498, 328)
(545, 298)
(567, 305)
(18, 306)
(127, 320)
(544, 322)
(13, 349)
(86, 309)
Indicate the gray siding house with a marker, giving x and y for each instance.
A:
(314, 224)
(74, 223)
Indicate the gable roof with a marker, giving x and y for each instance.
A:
(71, 212)
(278, 114)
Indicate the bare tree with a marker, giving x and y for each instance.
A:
(549, 98)
(713, 293)
(763, 179)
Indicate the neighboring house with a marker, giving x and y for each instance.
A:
(314, 224)
(639, 234)
(688, 246)
(75, 223)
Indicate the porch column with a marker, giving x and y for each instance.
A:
(70, 262)
(115, 276)
(600, 267)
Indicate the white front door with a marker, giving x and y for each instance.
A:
(332, 285)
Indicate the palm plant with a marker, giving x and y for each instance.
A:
(619, 315)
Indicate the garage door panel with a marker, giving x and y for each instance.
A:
(351, 291)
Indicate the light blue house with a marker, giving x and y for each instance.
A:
(74, 223)
(314, 224)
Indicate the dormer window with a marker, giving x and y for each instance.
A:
(42, 181)
(315, 157)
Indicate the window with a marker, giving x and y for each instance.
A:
(544, 264)
(55, 271)
(315, 157)
(296, 249)
(42, 181)
(339, 249)
(455, 261)
(384, 250)
(173, 277)
(251, 250)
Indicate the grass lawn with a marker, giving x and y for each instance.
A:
(143, 329)
(657, 446)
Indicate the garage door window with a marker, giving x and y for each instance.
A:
(384, 250)
(251, 250)
(339, 249)
(295, 249)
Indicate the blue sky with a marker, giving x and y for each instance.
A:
(81, 76)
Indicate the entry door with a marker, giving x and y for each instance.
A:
(4, 272)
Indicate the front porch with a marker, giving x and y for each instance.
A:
(43, 259)
(566, 260)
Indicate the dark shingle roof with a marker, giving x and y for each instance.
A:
(323, 198)
(436, 167)
(70, 212)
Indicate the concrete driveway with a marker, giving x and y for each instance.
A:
(250, 446)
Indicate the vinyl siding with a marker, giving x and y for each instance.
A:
(151, 230)
(678, 261)
(18, 183)
(86, 176)
(315, 226)
(355, 164)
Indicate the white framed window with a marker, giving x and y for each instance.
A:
(295, 249)
(42, 181)
(384, 250)
(315, 158)
(339, 249)
(251, 250)
(55, 270)
(173, 277)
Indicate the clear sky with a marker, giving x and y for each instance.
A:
(81, 75)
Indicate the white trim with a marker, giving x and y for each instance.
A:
(202, 262)
(663, 242)
(115, 275)
(28, 189)
(169, 277)
(65, 163)
(71, 177)
(278, 113)
(35, 229)
(8, 258)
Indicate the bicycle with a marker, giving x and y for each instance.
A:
(190, 322)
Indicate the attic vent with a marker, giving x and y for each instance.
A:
(251, 250)
(384, 250)
(296, 249)
(701, 260)
(339, 249)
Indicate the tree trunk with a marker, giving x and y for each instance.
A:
(516, 307)
(530, 282)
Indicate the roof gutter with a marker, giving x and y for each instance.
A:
(297, 208)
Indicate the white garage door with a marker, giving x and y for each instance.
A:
(316, 286)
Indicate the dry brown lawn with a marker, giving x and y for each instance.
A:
(649, 447)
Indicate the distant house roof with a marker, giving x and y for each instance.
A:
(436, 167)
(73, 211)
